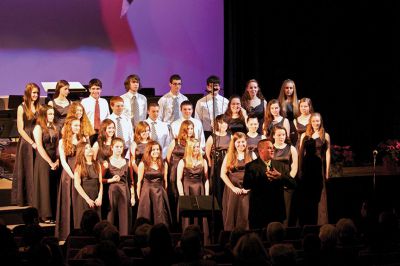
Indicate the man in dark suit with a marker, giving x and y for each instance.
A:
(266, 178)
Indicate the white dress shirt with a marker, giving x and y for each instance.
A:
(127, 129)
(163, 134)
(198, 130)
(166, 113)
(204, 109)
(89, 104)
(142, 101)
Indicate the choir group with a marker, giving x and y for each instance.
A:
(74, 156)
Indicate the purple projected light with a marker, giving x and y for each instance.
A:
(77, 40)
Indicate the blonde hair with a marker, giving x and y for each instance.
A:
(189, 154)
(86, 127)
(293, 99)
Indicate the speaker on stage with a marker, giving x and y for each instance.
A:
(197, 206)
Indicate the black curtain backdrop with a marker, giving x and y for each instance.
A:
(344, 55)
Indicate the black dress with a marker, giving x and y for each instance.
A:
(60, 114)
(139, 151)
(177, 155)
(120, 198)
(253, 142)
(259, 112)
(91, 186)
(219, 149)
(153, 202)
(272, 124)
(285, 156)
(290, 116)
(66, 201)
(300, 130)
(22, 184)
(235, 207)
(43, 174)
(102, 155)
(237, 125)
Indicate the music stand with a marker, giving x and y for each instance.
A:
(197, 206)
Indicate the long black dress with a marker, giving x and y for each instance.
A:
(300, 130)
(290, 116)
(177, 154)
(153, 202)
(219, 149)
(66, 201)
(235, 207)
(120, 198)
(253, 142)
(91, 186)
(43, 175)
(102, 155)
(22, 184)
(237, 125)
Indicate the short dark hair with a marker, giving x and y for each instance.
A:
(174, 77)
(213, 79)
(152, 104)
(187, 102)
(250, 116)
(95, 82)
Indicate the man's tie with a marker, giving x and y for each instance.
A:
(97, 115)
(153, 132)
(175, 106)
(134, 110)
(120, 134)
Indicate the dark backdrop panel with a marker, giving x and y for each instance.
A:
(341, 54)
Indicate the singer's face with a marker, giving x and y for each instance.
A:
(153, 112)
(110, 130)
(145, 134)
(190, 131)
(235, 105)
(223, 126)
(252, 124)
(79, 112)
(50, 115)
(187, 111)
(155, 151)
(289, 88)
(134, 85)
(95, 91)
(316, 122)
(64, 91)
(275, 109)
(175, 86)
(75, 126)
(280, 136)
(240, 144)
(216, 87)
(304, 108)
(118, 148)
(252, 89)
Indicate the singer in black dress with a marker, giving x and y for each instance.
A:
(306, 109)
(152, 184)
(236, 116)
(22, 185)
(254, 102)
(290, 106)
(273, 117)
(253, 137)
(87, 182)
(60, 103)
(46, 163)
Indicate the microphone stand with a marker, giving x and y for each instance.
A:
(374, 153)
(213, 183)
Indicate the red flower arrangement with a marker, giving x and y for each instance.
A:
(390, 150)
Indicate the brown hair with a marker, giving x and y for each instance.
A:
(246, 96)
(182, 137)
(27, 99)
(293, 99)
(86, 126)
(231, 155)
(130, 78)
(147, 156)
(42, 118)
(139, 129)
(102, 137)
(81, 159)
(61, 83)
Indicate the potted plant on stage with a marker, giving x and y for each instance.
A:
(389, 151)
(341, 156)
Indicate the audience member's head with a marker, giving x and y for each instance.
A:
(328, 236)
(191, 243)
(89, 219)
(249, 250)
(346, 231)
(30, 216)
(236, 234)
(275, 232)
(108, 253)
(8, 248)
(142, 235)
(139, 221)
(99, 227)
(110, 233)
(160, 242)
(282, 255)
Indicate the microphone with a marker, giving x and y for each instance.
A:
(375, 152)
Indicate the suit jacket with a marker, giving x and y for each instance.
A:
(266, 196)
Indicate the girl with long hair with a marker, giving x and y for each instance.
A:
(274, 116)
(215, 153)
(87, 182)
(121, 193)
(290, 105)
(192, 177)
(306, 109)
(141, 138)
(152, 185)
(67, 194)
(254, 102)
(60, 103)
(236, 115)
(46, 138)
(77, 110)
(315, 130)
(235, 201)
(22, 185)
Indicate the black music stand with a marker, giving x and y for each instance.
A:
(197, 206)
